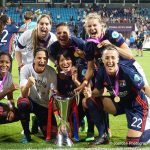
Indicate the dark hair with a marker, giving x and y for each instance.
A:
(109, 47)
(3, 20)
(62, 24)
(10, 58)
(67, 54)
(40, 49)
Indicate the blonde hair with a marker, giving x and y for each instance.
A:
(94, 15)
(34, 34)
(44, 16)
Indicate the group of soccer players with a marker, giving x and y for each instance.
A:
(102, 69)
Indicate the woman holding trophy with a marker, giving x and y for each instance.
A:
(67, 81)
(75, 47)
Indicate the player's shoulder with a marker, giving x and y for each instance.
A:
(50, 69)
(112, 33)
(53, 36)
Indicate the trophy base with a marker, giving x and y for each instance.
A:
(63, 140)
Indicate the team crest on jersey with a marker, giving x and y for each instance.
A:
(83, 72)
(122, 83)
(115, 34)
(137, 78)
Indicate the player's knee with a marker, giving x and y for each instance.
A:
(23, 104)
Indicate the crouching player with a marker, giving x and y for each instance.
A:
(8, 112)
(127, 95)
(35, 80)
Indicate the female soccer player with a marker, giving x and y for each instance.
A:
(8, 112)
(127, 95)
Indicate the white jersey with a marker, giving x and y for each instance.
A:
(7, 83)
(26, 48)
(40, 91)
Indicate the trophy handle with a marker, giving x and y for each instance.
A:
(77, 97)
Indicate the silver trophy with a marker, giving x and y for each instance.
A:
(64, 131)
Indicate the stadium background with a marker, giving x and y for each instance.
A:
(125, 16)
(136, 12)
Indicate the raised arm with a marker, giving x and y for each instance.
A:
(88, 76)
(25, 90)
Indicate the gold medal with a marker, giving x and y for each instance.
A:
(117, 99)
(76, 54)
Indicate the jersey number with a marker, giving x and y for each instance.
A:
(136, 122)
(4, 38)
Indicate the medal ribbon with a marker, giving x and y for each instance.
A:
(96, 40)
(116, 88)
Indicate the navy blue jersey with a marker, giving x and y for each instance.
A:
(7, 37)
(92, 51)
(130, 82)
(65, 86)
(75, 43)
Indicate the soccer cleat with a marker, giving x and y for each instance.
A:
(26, 139)
(100, 140)
(90, 137)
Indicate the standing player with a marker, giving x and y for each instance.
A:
(66, 41)
(28, 23)
(40, 37)
(76, 47)
(7, 30)
(139, 42)
(127, 95)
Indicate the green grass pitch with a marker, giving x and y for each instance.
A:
(10, 134)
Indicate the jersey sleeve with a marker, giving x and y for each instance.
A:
(115, 38)
(80, 43)
(15, 29)
(135, 77)
(22, 41)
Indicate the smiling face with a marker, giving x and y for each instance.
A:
(110, 59)
(63, 33)
(5, 64)
(44, 27)
(93, 28)
(40, 61)
(65, 64)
